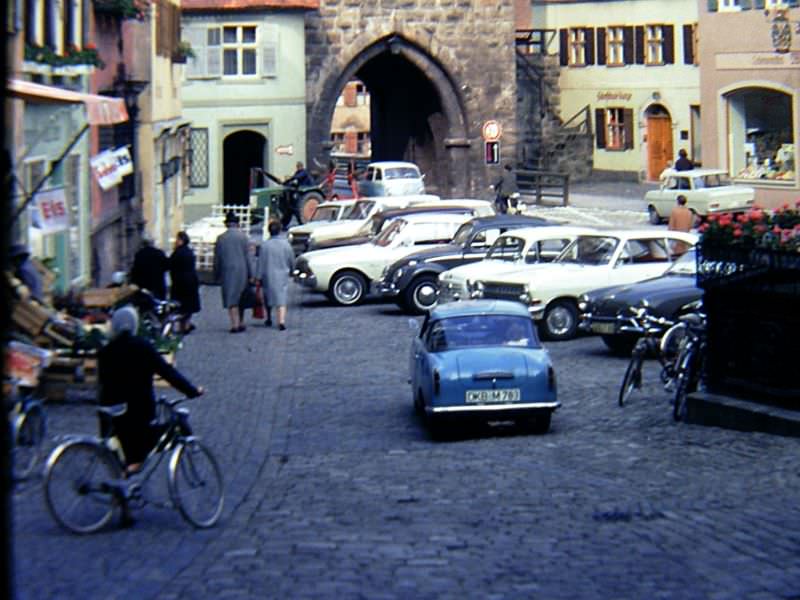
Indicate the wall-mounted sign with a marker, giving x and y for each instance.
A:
(52, 215)
(491, 131)
(287, 150)
(110, 166)
(491, 153)
(614, 96)
(757, 60)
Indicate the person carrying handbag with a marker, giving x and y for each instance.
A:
(275, 265)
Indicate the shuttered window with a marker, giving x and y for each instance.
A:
(690, 44)
(614, 128)
(245, 50)
(576, 46)
(615, 46)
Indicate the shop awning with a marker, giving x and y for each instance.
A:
(100, 110)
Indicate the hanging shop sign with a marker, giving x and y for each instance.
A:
(110, 166)
(51, 213)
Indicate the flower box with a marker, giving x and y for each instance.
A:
(72, 70)
(36, 68)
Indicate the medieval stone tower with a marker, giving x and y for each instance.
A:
(436, 70)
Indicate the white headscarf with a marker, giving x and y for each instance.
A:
(124, 319)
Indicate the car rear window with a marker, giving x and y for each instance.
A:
(401, 173)
(481, 330)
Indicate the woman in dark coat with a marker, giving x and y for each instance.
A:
(185, 284)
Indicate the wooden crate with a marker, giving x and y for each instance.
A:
(29, 316)
(105, 297)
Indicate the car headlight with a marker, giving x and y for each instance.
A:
(584, 303)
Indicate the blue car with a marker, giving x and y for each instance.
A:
(482, 360)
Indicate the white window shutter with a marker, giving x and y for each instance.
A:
(214, 52)
(269, 51)
(196, 36)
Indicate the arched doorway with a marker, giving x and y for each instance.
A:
(659, 140)
(416, 111)
(240, 151)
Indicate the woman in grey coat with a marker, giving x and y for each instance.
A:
(275, 265)
(232, 268)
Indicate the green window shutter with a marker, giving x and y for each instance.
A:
(639, 44)
(627, 45)
(563, 47)
(269, 50)
(196, 36)
(712, 5)
(794, 3)
(214, 52)
(758, 4)
(589, 37)
(746, 4)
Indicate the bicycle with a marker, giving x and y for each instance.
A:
(690, 363)
(26, 415)
(658, 337)
(85, 481)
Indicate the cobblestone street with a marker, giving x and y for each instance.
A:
(334, 489)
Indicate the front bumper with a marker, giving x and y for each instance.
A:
(385, 288)
(305, 278)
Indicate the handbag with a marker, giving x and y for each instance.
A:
(258, 309)
(248, 297)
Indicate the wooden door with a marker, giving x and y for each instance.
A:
(659, 145)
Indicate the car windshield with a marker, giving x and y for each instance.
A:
(325, 213)
(400, 173)
(463, 234)
(388, 235)
(482, 330)
(589, 250)
(361, 209)
(685, 265)
(506, 248)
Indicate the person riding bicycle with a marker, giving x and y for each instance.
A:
(126, 366)
(505, 189)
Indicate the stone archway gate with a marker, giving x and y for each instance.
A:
(463, 48)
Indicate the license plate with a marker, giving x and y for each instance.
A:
(491, 396)
(604, 327)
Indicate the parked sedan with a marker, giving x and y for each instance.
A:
(412, 280)
(481, 360)
(604, 310)
(375, 224)
(551, 290)
(344, 274)
(707, 191)
(510, 252)
(327, 212)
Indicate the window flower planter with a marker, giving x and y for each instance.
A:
(122, 9)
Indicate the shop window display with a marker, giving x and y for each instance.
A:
(761, 129)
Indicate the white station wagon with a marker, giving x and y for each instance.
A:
(509, 252)
(707, 191)
(345, 273)
(591, 261)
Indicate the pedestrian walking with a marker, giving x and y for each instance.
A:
(185, 285)
(683, 163)
(26, 272)
(505, 188)
(681, 219)
(275, 265)
(150, 266)
(232, 269)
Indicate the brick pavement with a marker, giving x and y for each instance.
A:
(335, 490)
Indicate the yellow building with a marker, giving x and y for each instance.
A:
(632, 65)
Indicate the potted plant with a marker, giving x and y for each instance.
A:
(183, 51)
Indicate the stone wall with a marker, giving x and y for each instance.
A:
(464, 48)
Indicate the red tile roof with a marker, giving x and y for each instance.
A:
(191, 5)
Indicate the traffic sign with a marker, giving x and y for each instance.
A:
(491, 131)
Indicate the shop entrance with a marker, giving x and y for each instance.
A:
(240, 151)
(659, 140)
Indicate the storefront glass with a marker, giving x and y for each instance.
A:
(761, 129)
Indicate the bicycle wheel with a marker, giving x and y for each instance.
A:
(75, 486)
(195, 484)
(28, 437)
(685, 384)
(632, 379)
